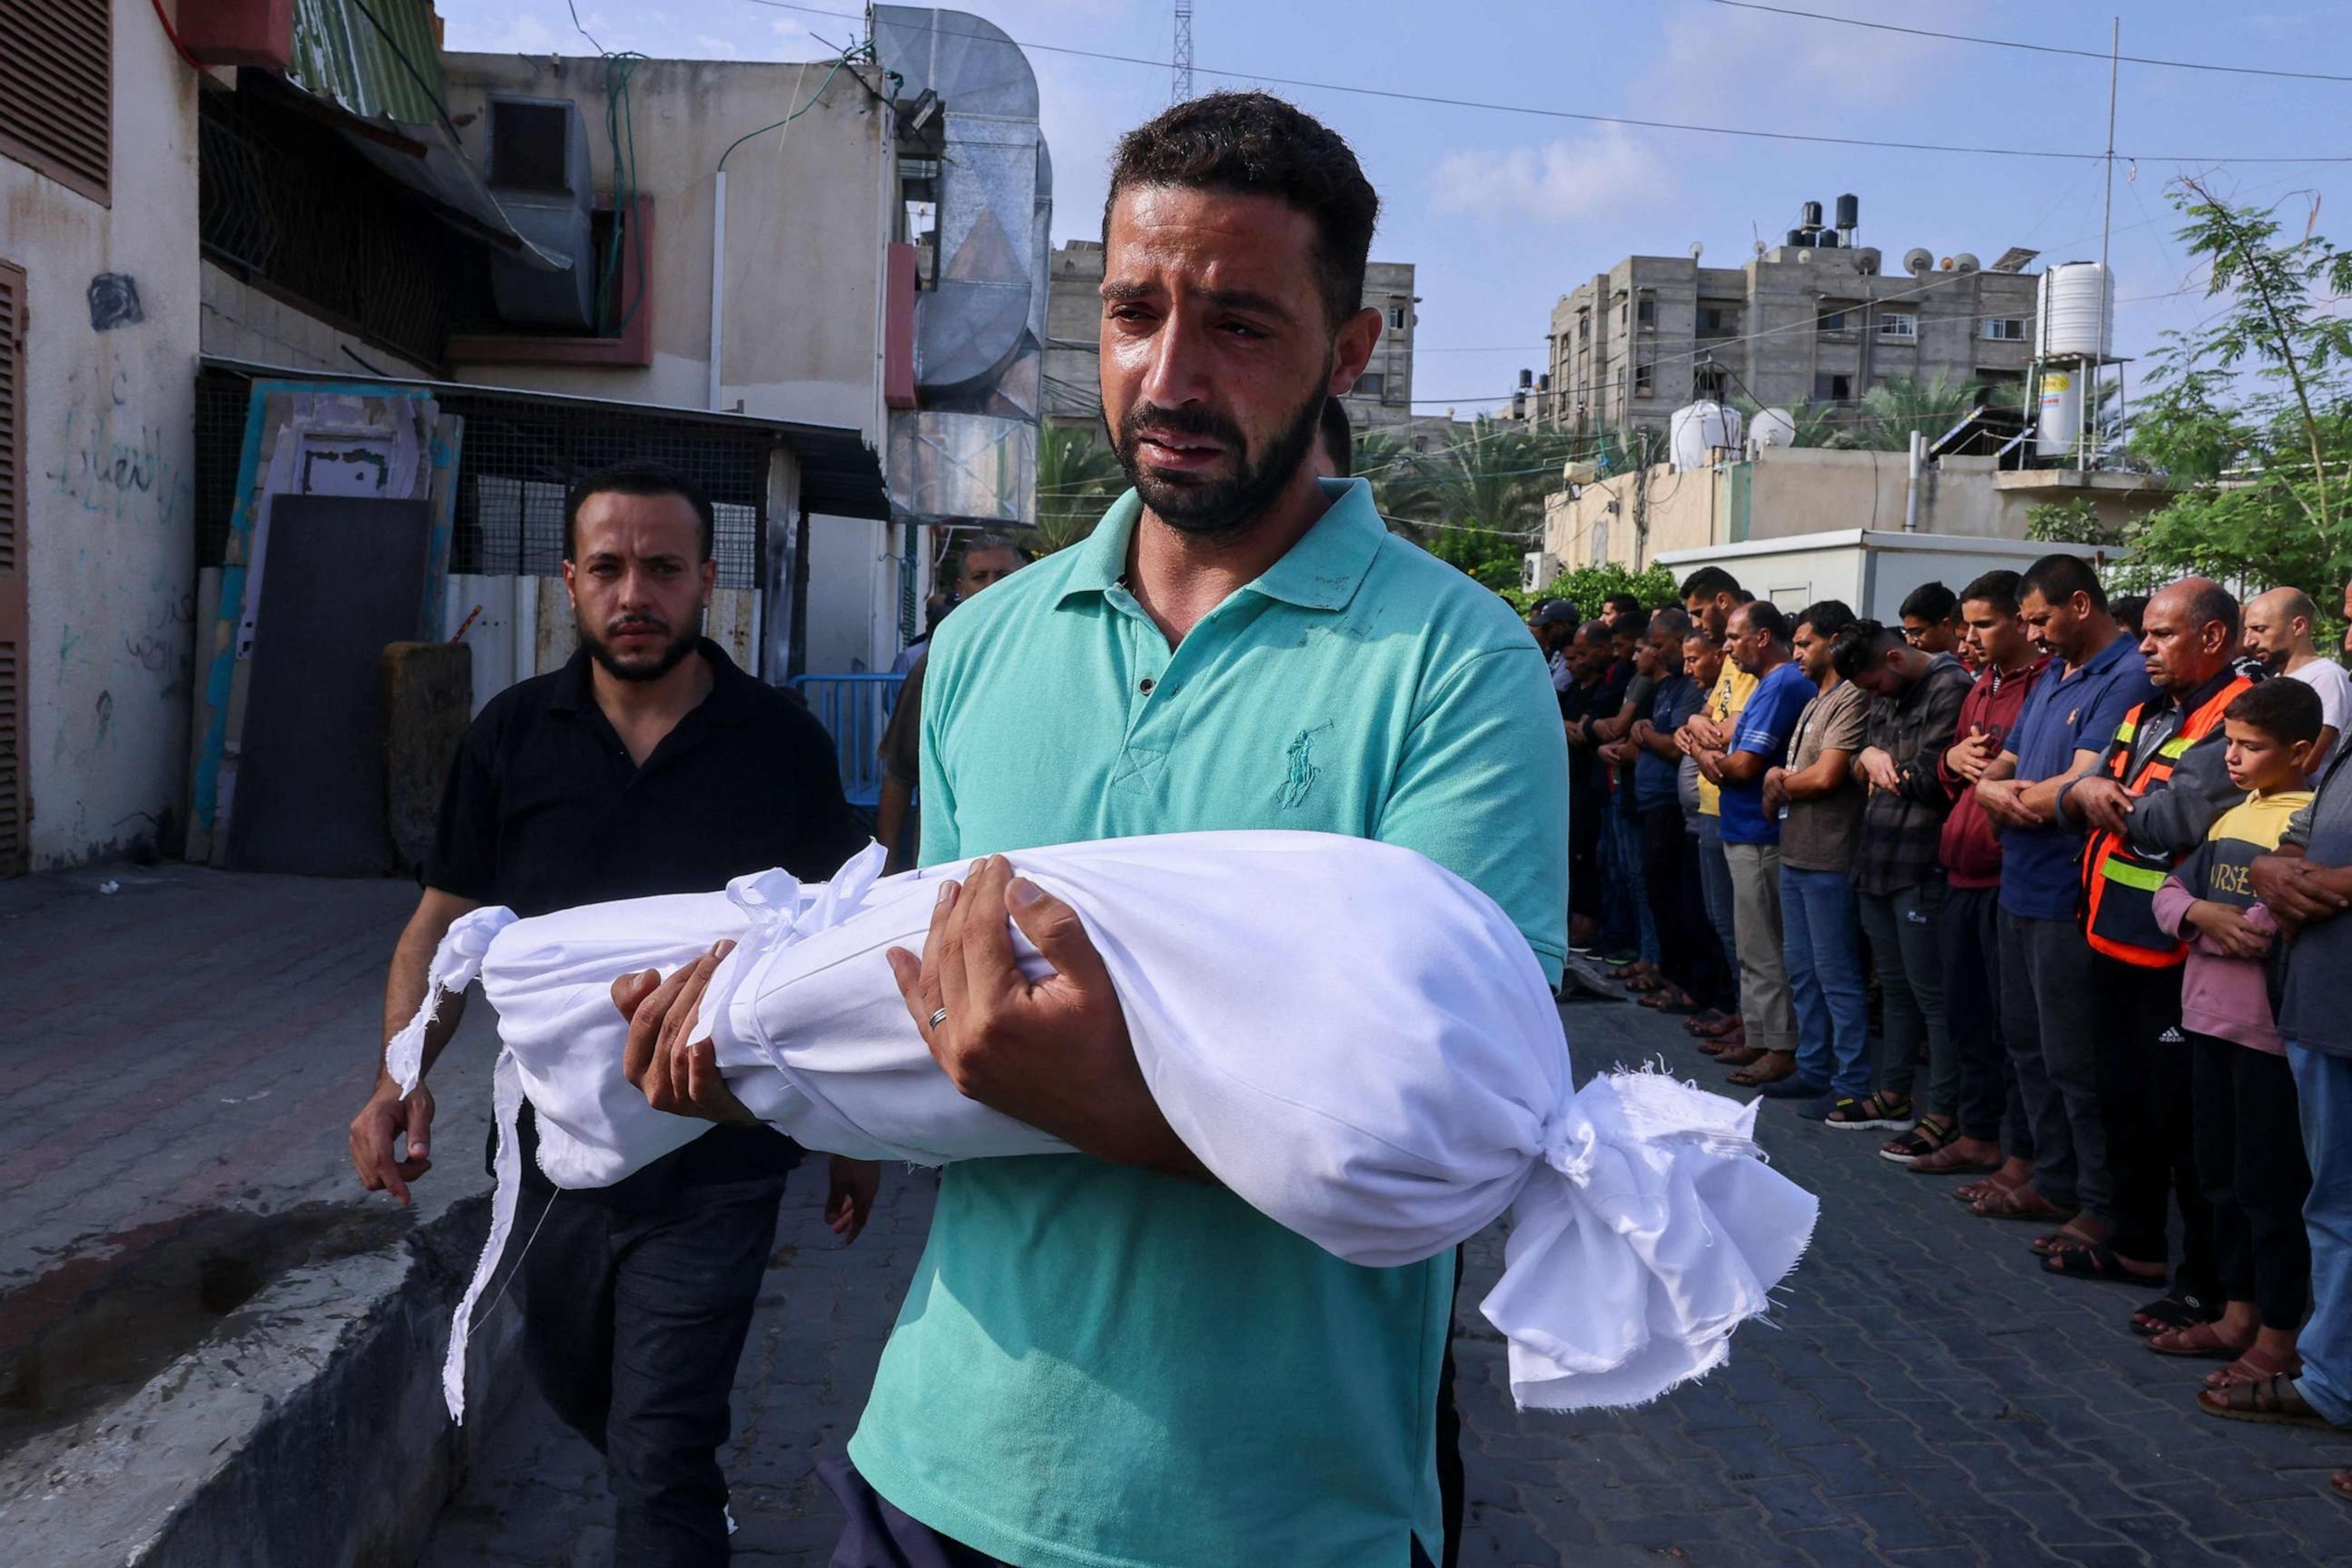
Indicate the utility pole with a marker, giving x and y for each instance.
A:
(1181, 77)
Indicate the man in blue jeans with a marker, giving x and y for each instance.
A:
(1818, 798)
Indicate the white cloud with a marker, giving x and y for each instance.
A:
(1719, 66)
(785, 28)
(714, 47)
(1558, 182)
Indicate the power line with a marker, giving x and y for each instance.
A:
(2100, 55)
(1439, 101)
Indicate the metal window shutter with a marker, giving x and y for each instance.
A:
(56, 89)
(15, 810)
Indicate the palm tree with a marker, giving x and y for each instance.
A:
(1892, 410)
(1077, 478)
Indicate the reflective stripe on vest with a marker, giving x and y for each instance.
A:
(2118, 884)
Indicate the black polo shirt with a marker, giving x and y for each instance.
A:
(545, 811)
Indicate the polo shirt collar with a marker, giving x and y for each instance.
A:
(1321, 572)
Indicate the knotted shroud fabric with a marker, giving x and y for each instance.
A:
(1354, 1040)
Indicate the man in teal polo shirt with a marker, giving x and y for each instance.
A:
(1106, 1360)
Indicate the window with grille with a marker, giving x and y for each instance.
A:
(56, 90)
(1898, 325)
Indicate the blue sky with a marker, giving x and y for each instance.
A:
(1505, 211)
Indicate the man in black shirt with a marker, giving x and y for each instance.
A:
(648, 764)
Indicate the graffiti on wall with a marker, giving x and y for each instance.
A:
(114, 302)
(112, 460)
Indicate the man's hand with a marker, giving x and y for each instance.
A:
(677, 1075)
(2295, 890)
(1710, 763)
(1053, 1053)
(850, 1196)
(2000, 799)
(387, 1127)
(1877, 768)
(1705, 730)
(1776, 788)
(1613, 753)
(1644, 733)
(1972, 754)
(2104, 804)
(2228, 930)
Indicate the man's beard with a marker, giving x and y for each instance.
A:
(2275, 660)
(639, 667)
(1222, 505)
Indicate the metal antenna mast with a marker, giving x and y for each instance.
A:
(1181, 83)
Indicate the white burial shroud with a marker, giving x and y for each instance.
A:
(1354, 1040)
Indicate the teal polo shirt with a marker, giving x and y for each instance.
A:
(1101, 1367)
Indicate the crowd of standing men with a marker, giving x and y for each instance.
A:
(2049, 888)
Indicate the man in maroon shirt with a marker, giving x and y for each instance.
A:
(2004, 1095)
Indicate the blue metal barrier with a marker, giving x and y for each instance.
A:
(854, 709)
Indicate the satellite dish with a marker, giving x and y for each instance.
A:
(1965, 262)
(1760, 247)
(1918, 260)
(1697, 247)
(1866, 261)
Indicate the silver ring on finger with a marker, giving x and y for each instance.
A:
(939, 1017)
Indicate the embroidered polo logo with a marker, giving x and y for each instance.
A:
(1304, 770)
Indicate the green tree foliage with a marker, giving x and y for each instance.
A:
(2249, 412)
(1077, 479)
(1588, 586)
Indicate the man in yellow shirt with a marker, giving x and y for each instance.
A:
(1710, 595)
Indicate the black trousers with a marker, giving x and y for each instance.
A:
(632, 1321)
(2249, 1158)
(2145, 1078)
(1686, 944)
(881, 1534)
(1990, 1107)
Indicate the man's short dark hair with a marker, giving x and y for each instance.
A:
(2287, 710)
(1338, 437)
(1826, 616)
(1930, 602)
(2210, 602)
(1622, 606)
(1708, 581)
(1996, 588)
(2126, 612)
(1673, 621)
(635, 479)
(1768, 618)
(1255, 145)
(1863, 645)
(2058, 578)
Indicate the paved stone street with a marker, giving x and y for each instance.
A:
(1929, 1400)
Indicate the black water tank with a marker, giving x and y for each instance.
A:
(1813, 211)
(1828, 240)
(1849, 212)
(1798, 236)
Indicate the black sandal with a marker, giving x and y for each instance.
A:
(2097, 1261)
(2179, 1309)
(1930, 1134)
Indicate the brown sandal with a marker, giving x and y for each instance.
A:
(1755, 1076)
(1742, 1055)
(2202, 1341)
(2019, 1202)
(2247, 1368)
(2070, 1237)
(2273, 1399)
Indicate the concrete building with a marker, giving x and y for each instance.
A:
(1381, 399)
(1819, 319)
(99, 324)
(1782, 492)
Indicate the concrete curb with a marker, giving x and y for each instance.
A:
(307, 1431)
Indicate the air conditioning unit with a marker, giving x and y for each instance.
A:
(1536, 571)
(535, 161)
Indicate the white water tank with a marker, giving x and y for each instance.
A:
(1697, 429)
(2060, 425)
(1772, 427)
(2077, 312)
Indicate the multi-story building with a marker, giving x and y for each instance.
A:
(1381, 399)
(1818, 319)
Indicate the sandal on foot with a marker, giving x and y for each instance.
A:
(2253, 1367)
(1716, 1028)
(1929, 1137)
(1948, 1161)
(2069, 1237)
(1669, 999)
(1742, 1055)
(2200, 1340)
(2178, 1310)
(2273, 1400)
(1864, 1115)
(1992, 1184)
(2099, 1261)
(2019, 1202)
(1770, 1067)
